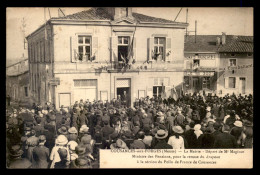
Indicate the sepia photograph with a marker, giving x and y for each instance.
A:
(129, 87)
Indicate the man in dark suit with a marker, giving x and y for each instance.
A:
(41, 154)
(16, 160)
(225, 140)
(161, 135)
(191, 137)
(106, 131)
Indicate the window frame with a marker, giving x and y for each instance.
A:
(158, 45)
(84, 59)
(123, 44)
(229, 61)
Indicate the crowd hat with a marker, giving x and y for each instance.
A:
(128, 134)
(61, 140)
(84, 129)
(81, 162)
(208, 109)
(161, 134)
(72, 145)
(177, 129)
(63, 130)
(16, 151)
(80, 150)
(238, 124)
(119, 144)
(86, 139)
(42, 138)
(73, 130)
(160, 113)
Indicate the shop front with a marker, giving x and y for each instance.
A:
(197, 82)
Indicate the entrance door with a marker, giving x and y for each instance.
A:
(242, 85)
(124, 94)
(196, 84)
(123, 88)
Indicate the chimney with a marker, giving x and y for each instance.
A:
(223, 38)
(129, 12)
(218, 41)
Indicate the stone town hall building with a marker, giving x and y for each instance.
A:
(81, 56)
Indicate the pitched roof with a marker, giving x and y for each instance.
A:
(207, 43)
(101, 14)
(238, 44)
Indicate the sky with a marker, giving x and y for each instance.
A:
(210, 21)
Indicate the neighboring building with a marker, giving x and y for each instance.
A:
(219, 64)
(81, 56)
(201, 62)
(17, 81)
(236, 66)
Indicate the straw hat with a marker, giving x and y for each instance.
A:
(161, 134)
(177, 129)
(238, 124)
(73, 130)
(84, 129)
(61, 140)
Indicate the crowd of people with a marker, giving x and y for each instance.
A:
(44, 137)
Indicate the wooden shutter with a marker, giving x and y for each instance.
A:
(237, 82)
(150, 47)
(114, 49)
(134, 48)
(226, 82)
(95, 48)
(74, 48)
(168, 49)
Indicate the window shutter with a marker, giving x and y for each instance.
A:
(134, 49)
(237, 82)
(114, 48)
(150, 48)
(226, 82)
(74, 48)
(95, 48)
(168, 49)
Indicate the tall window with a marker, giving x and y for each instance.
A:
(232, 82)
(123, 43)
(206, 82)
(157, 91)
(159, 48)
(232, 62)
(84, 48)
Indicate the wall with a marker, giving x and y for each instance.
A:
(242, 59)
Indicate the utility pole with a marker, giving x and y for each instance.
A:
(195, 31)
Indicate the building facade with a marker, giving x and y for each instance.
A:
(236, 66)
(201, 63)
(17, 81)
(218, 64)
(85, 56)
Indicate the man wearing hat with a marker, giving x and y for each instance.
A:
(63, 131)
(161, 136)
(39, 128)
(41, 154)
(191, 138)
(138, 143)
(60, 142)
(73, 134)
(17, 162)
(177, 141)
(236, 131)
(179, 119)
(31, 143)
